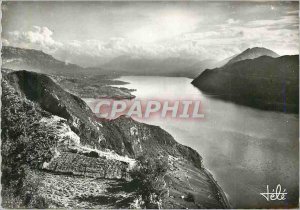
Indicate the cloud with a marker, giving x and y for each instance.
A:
(5, 42)
(97, 52)
(37, 38)
(232, 21)
(164, 25)
(293, 13)
(218, 42)
(283, 22)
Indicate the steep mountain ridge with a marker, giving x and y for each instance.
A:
(38, 61)
(263, 82)
(50, 136)
(34, 60)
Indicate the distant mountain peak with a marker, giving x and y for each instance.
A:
(252, 53)
(259, 49)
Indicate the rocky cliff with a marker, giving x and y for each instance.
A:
(55, 154)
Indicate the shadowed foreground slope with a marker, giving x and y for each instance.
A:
(56, 155)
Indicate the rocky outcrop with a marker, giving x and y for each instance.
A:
(41, 90)
(127, 137)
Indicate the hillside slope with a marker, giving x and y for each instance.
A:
(84, 82)
(264, 82)
(55, 154)
(35, 60)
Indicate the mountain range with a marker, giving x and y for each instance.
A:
(172, 66)
(177, 66)
(38, 61)
(234, 83)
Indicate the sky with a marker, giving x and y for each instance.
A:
(93, 33)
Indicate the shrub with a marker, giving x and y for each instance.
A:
(190, 197)
(92, 154)
(148, 179)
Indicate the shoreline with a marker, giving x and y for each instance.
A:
(220, 192)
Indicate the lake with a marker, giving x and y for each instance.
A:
(246, 149)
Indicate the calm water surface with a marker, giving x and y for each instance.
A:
(246, 149)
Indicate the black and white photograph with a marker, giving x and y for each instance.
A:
(150, 104)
